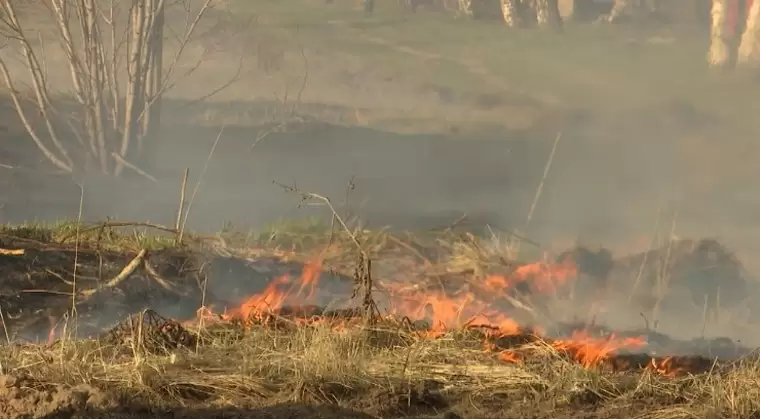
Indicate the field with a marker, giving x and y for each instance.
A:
(542, 224)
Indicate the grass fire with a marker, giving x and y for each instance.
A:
(227, 322)
(536, 209)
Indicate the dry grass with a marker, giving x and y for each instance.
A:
(106, 235)
(319, 364)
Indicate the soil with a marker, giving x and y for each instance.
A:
(24, 399)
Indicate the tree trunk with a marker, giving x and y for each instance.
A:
(135, 88)
(95, 119)
(153, 81)
(718, 54)
(749, 46)
(510, 10)
(547, 14)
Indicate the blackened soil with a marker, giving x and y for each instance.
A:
(36, 287)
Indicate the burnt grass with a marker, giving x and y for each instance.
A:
(98, 367)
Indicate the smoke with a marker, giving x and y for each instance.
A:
(624, 170)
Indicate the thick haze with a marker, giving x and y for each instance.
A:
(618, 165)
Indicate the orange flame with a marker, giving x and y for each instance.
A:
(510, 357)
(590, 351)
(471, 307)
(546, 277)
(446, 312)
(52, 333)
(277, 294)
(543, 277)
(51, 336)
(665, 367)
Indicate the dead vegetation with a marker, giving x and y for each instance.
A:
(289, 351)
(413, 377)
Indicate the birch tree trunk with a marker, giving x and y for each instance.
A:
(749, 46)
(718, 54)
(95, 120)
(547, 14)
(135, 78)
(510, 10)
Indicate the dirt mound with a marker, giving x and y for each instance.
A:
(21, 398)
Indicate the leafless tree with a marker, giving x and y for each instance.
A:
(111, 117)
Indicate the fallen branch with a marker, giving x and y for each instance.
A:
(12, 252)
(41, 291)
(112, 224)
(127, 271)
(129, 165)
(156, 277)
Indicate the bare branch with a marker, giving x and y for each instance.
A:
(189, 30)
(105, 122)
(40, 91)
(137, 170)
(61, 15)
(25, 121)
